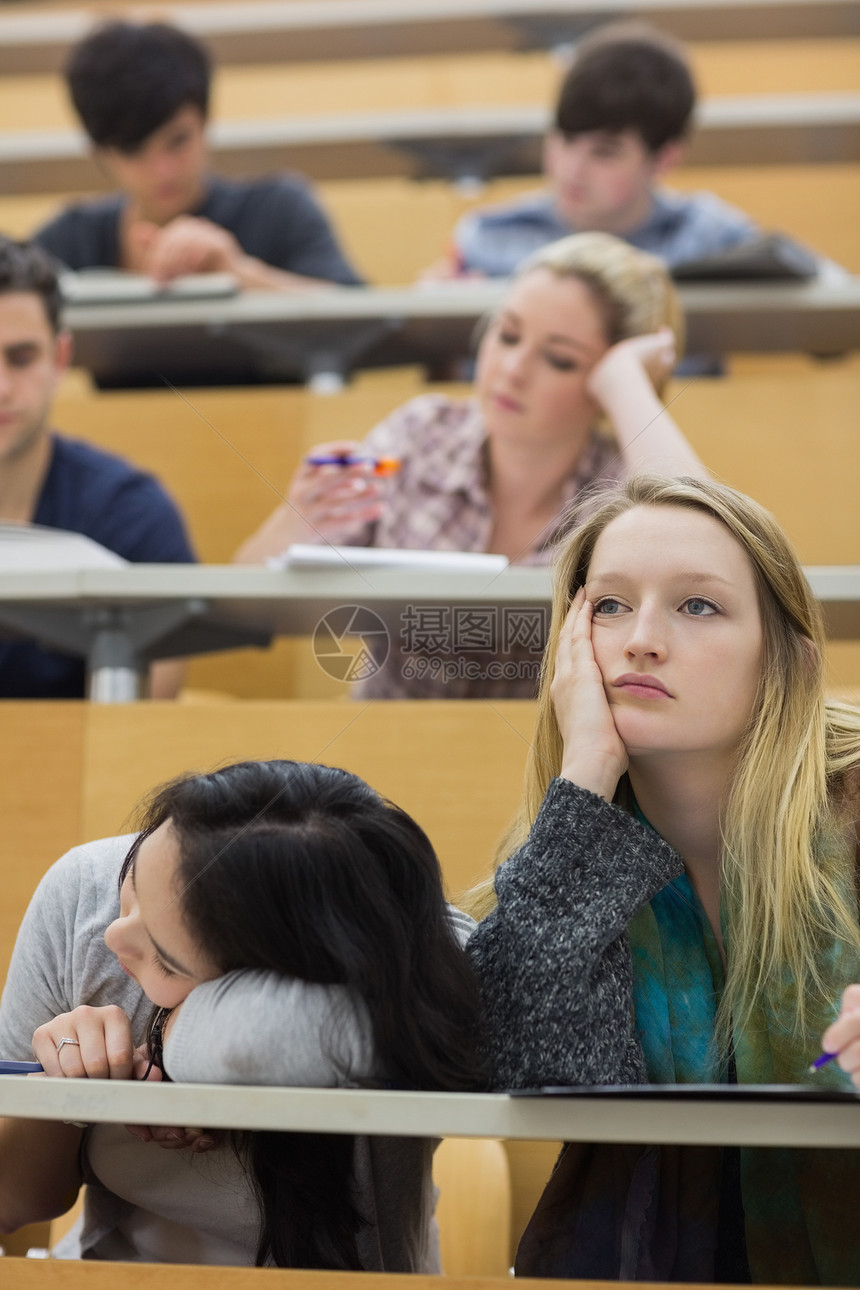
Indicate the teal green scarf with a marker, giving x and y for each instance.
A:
(802, 1207)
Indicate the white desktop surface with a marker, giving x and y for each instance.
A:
(492, 1115)
(289, 601)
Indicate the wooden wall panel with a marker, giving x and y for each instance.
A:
(225, 455)
(456, 767)
(378, 85)
(788, 437)
(40, 788)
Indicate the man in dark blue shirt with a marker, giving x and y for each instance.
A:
(61, 483)
(142, 94)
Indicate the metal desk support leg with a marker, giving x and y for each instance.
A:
(115, 668)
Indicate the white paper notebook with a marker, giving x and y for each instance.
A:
(325, 556)
(113, 286)
(32, 548)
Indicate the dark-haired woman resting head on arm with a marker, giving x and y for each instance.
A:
(281, 923)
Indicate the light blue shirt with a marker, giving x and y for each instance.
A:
(681, 227)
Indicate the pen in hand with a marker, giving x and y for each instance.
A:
(821, 1061)
(381, 465)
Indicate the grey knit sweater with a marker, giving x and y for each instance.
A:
(553, 958)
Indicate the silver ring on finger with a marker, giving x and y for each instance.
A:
(67, 1040)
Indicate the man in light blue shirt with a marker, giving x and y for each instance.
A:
(621, 118)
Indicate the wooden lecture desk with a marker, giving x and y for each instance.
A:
(121, 619)
(322, 337)
(322, 30)
(459, 143)
(741, 1115)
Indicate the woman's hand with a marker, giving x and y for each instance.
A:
(654, 354)
(594, 756)
(171, 1137)
(333, 502)
(843, 1037)
(100, 1044)
(324, 504)
(623, 384)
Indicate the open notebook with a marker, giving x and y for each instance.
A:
(326, 556)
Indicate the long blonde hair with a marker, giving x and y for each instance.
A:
(787, 859)
(632, 289)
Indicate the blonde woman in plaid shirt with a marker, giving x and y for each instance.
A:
(567, 392)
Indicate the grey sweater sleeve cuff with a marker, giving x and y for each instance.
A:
(582, 848)
(256, 1027)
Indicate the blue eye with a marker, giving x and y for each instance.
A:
(697, 607)
(610, 607)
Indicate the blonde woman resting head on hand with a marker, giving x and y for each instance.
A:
(680, 899)
(567, 391)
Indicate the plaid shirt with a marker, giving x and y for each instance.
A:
(440, 500)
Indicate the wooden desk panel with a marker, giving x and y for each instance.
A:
(40, 770)
(226, 456)
(462, 78)
(456, 767)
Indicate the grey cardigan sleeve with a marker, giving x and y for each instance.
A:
(553, 958)
(256, 1027)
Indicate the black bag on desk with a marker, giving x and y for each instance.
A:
(770, 257)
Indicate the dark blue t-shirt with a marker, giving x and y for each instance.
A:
(89, 491)
(276, 219)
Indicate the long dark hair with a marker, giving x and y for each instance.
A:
(304, 870)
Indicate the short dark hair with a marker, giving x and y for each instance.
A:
(26, 266)
(127, 80)
(628, 76)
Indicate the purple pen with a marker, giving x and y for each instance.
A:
(381, 465)
(822, 1061)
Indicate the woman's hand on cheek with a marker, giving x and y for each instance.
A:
(843, 1037)
(594, 755)
(654, 354)
(100, 1044)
